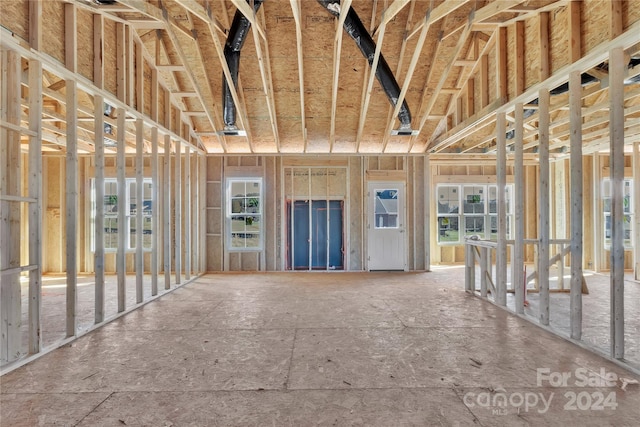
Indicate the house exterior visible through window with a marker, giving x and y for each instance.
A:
(470, 210)
(111, 207)
(627, 212)
(244, 214)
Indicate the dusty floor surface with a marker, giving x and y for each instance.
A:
(320, 349)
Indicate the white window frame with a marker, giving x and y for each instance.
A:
(129, 216)
(461, 216)
(229, 232)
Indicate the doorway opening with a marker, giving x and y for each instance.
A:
(315, 235)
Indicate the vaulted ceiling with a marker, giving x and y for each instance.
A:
(305, 86)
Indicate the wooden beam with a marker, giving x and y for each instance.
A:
(636, 208)
(194, 81)
(470, 99)
(166, 215)
(617, 67)
(337, 49)
(264, 65)
(484, 81)
(140, 79)
(35, 183)
(543, 33)
(187, 214)
(519, 211)
(98, 230)
(122, 214)
(577, 229)
(72, 204)
(295, 9)
(543, 206)
(98, 51)
(155, 213)
(501, 251)
(10, 185)
(617, 16)
(437, 13)
(407, 81)
(121, 89)
(443, 78)
(248, 13)
(139, 208)
(501, 64)
(178, 212)
(70, 37)
(369, 87)
(35, 25)
(575, 30)
(389, 13)
(519, 58)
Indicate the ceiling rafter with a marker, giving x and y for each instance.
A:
(365, 76)
(264, 64)
(185, 61)
(295, 9)
(443, 78)
(403, 53)
(337, 49)
(369, 87)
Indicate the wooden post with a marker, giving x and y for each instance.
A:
(72, 205)
(71, 169)
(35, 208)
(427, 214)
(636, 209)
(543, 205)
(139, 210)
(122, 211)
(187, 213)
(98, 106)
(154, 211)
(485, 266)
(10, 180)
(575, 123)
(501, 251)
(178, 212)
(98, 101)
(616, 130)
(518, 249)
(167, 211)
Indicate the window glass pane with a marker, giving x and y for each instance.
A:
(132, 198)
(110, 232)
(628, 232)
(110, 198)
(474, 225)
(473, 197)
(448, 199)
(386, 208)
(132, 232)
(626, 194)
(237, 189)
(448, 229)
(493, 199)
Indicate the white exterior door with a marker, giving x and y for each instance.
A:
(386, 229)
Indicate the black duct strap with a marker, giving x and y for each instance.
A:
(354, 27)
(235, 40)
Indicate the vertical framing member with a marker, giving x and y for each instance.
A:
(617, 66)
(501, 256)
(518, 256)
(543, 206)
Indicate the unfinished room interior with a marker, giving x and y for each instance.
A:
(331, 212)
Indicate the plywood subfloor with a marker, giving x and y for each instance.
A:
(312, 349)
